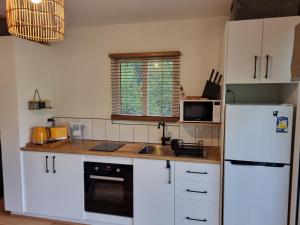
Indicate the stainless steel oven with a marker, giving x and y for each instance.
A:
(108, 188)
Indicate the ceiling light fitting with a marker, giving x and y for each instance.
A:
(36, 20)
(36, 1)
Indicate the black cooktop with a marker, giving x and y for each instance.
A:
(107, 147)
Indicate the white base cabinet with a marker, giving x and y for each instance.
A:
(153, 192)
(197, 193)
(192, 212)
(53, 184)
(37, 184)
(192, 197)
(165, 192)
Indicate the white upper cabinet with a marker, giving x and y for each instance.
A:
(278, 42)
(260, 51)
(243, 51)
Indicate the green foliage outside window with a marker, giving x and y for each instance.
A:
(146, 88)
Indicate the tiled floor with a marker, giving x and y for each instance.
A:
(8, 219)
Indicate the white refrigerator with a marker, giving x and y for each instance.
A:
(257, 164)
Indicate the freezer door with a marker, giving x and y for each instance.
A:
(256, 195)
(252, 133)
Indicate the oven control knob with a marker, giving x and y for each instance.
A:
(96, 168)
(118, 170)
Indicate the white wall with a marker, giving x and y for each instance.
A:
(82, 84)
(24, 67)
(33, 63)
(75, 74)
(9, 127)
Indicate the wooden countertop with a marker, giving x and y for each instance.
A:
(129, 150)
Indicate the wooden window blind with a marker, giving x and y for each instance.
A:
(145, 86)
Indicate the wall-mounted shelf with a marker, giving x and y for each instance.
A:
(38, 104)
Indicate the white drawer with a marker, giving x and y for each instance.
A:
(199, 172)
(197, 190)
(191, 212)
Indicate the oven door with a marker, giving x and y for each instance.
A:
(109, 195)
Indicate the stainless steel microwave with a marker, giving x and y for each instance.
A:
(200, 111)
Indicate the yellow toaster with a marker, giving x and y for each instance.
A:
(58, 133)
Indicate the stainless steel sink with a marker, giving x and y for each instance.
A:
(152, 150)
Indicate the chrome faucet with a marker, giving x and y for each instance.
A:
(163, 138)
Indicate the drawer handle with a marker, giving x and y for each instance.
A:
(199, 192)
(202, 173)
(199, 220)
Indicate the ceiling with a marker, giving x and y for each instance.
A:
(102, 12)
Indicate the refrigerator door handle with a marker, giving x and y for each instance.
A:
(248, 163)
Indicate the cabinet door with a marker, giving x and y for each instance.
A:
(153, 193)
(68, 185)
(244, 40)
(278, 42)
(37, 183)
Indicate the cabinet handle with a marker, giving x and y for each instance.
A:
(169, 168)
(255, 65)
(199, 220)
(199, 192)
(47, 169)
(53, 164)
(267, 66)
(202, 173)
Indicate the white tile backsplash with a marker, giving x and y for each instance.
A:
(172, 131)
(187, 133)
(99, 129)
(155, 134)
(60, 122)
(140, 133)
(216, 136)
(204, 133)
(87, 127)
(112, 131)
(126, 133)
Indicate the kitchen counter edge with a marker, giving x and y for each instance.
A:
(129, 150)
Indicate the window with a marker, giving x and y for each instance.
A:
(145, 86)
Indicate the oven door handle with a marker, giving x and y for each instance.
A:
(107, 178)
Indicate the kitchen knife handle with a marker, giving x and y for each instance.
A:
(217, 74)
(255, 66)
(267, 66)
(47, 169)
(220, 79)
(211, 75)
(53, 164)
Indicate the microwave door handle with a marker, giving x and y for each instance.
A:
(120, 179)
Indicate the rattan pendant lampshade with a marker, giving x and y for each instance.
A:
(36, 20)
